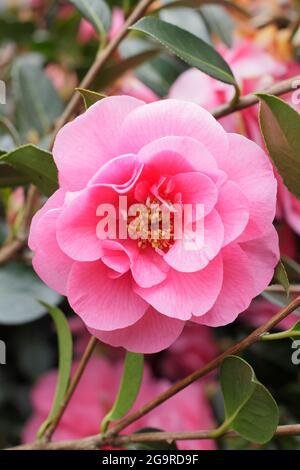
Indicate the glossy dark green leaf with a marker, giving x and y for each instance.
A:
(37, 102)
(36, 165)
(219, 22)
(20, 289)
(129, 388)
(188, 19)
(65, 353)
(90, 97)
(97, 12)
(160, 73)
(9, 176)
(280, 126)
(250, 409)
(188, 48)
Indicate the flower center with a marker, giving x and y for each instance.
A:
(154, 225)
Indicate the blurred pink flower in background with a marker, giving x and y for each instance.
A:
(63, 80)
(193, 349)
(95, 395)
(261, 310)
(87, 31)
(132, 86)
(141, 296)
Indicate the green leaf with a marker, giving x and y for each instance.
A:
(37, 102)
(250, 409)
(188, 19)
(36, 165)
(219, 22)
(199, 3)
(160, 73)
(281, 277)
(90, 97)
(9, 176)
(19, 290)
(65, 352)
(129, 388)
(188, 48)
(159, 445)
(280, 126)
(96, 12)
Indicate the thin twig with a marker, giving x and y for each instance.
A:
(278, 289)
(94, 442)
(249, 100)
(78, 374)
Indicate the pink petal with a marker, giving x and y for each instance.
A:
(173, 155)
(152, 333)
(197, 87)
(188, 255)
(77, 224)
(54, 202)
(263, 254)
(183, 294)
(172, 118)
(196, 188)
(103, 303)
(85, 144)
(233, 208)
(149, 268)
(49, 262)
(247, 165)
(237, 290)
(121, 173)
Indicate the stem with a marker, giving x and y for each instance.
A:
(78, 374)
(94, 442)
(282, 335)
(249, 100)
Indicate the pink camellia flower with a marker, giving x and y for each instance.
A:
(94, 397)
(255, 69)
(193, 349)
(136, 288)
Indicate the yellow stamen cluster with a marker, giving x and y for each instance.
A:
(150, 229)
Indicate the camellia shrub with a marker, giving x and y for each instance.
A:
(149, 225)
